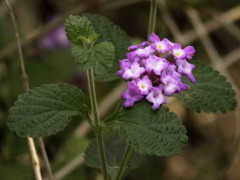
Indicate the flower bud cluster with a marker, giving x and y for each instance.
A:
(154, 70)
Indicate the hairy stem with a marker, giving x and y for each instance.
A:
(97, 123)
(32, 148)
(125, 162)
(152, 17)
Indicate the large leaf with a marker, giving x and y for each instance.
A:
(211, 94)
(111, 33)
(45, 110)
(151, 132)
(114, 149)
(78, 29)
(100, 57)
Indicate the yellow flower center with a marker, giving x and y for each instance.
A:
(143, 86)
(160, 46)
(179, 53)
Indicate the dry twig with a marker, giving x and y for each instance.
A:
(32, 148)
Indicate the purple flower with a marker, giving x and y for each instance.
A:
(162, 46)
(156, 97)
(153, 38)
(155, 64)
(142, 45)
(171, 69)
(145, 52)
(153, 72)
(190, 51)
(144, 85)
(133, 71)
(178, 52)
(170, 85)
(132, 94)
(124, 64)
(186, 68)
(131, 55)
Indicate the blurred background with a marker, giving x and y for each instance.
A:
(213, 27)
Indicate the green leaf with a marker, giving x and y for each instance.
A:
(100, 57)
(114, 149)
(45, 110)
(151, 132)
(79, 29)
(211, 94)
(114, 34)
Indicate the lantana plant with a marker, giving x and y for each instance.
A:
(153, 70)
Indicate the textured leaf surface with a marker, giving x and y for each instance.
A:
(100, 57)
(211, 93)
(79, 28)
(111, 33)
(45, 110)
(151, 132)
(114, 149)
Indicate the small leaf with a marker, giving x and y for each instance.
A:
(211, 94)
(45, 110)
(100, 58)
(114, 34)
(151, 132)
(114, 149)
(79, 29)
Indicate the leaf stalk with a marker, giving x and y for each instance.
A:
(125, 162)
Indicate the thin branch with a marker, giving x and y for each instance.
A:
(4, 9)
(205, 39)
(71, 166)
(227, 24)
(211, 25)
(167, 17)
(45, 158)
(35, 159)
(215, 57)
(232, 57)
(32, 148)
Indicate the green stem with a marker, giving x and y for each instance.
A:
(93, 98)
(125, 161)
(102, 156)
(152, 17)
(97, 123)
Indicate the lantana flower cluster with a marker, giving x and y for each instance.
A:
(154, 70)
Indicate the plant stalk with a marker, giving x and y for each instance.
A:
(125, 162)
(45, 158)
(97, 123)
(152, 17)
(32, 148)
